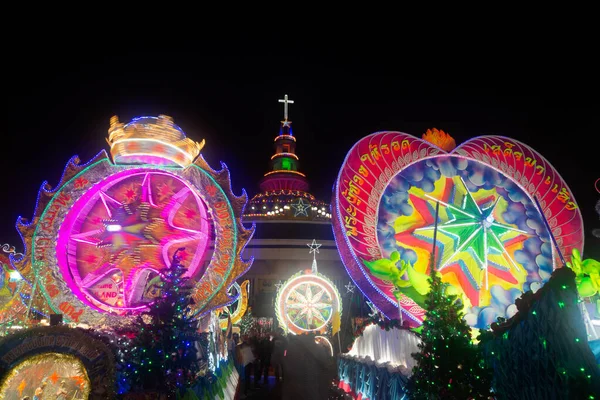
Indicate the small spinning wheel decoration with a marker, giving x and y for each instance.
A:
(308, 301)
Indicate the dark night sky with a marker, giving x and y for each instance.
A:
(61, 98)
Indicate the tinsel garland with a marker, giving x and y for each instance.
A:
(386, 324)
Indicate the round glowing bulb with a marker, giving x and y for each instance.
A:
(113, 228)
(15, 275)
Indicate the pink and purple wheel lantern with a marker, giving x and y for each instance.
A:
(98, 241)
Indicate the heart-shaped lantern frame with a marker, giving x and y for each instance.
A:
(492, 243)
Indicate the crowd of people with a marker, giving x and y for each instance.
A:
(302, 368)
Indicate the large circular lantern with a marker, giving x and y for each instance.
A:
(306, 303)
(99, 240)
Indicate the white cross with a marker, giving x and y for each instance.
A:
(285, 102)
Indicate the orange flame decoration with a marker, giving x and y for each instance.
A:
(440, 138)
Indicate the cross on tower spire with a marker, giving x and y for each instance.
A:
(285, 102)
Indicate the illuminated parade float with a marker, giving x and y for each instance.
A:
(499, 228)
(99, 242)
(492, 240)
(135, 270)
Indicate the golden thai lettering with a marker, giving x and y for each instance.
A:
(365, 157)
(358, 179)
(529, 162)
(352, 199)
(363, 171)
(518, 155)
(351, 210)
(385, 149)
(395, 145)
(548, 180)
(496, 149)
(350, 224)
(405, 144)
(555, 188)
(353, 188)
(508, 150)
(350, 221)
(540, 169)
(374, 151)
(563, 195)
(571, 206)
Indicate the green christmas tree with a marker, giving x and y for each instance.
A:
(167, 336)
(448, 366)
(247, 322)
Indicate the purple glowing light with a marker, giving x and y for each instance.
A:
(105, 234)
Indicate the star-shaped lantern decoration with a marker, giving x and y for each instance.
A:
(314, 246)
(350, 287)
(475, 235)
(300, 208)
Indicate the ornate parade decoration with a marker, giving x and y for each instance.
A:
(13, 291)
(236, 310)
(99, 240)
(308, 301)
(492, 243)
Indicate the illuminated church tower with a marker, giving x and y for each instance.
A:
(284, 173)
(287, 217)
(284, 189)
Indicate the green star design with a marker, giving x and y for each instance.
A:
(300, 208)
(475, 230)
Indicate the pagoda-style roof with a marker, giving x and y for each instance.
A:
(284, 189)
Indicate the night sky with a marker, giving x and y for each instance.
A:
(60, 100)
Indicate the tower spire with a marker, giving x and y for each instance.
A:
(284, 173)
(314, 249)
